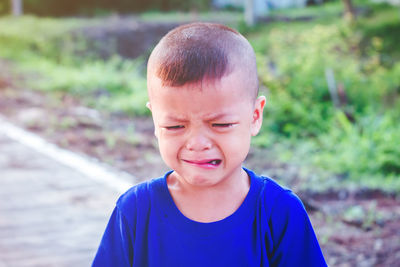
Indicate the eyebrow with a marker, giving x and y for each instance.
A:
(175, 118)
(217, 116)
(211, 117)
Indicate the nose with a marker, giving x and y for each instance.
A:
(198, 141)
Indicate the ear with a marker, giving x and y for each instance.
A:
(148, 105)
(257, 115)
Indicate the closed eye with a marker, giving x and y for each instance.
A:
(175, 127)
(223, 125)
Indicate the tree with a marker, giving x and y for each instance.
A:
(16, 7)
(349, 12)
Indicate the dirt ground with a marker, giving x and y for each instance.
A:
(354, 229)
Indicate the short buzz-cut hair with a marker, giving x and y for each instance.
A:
(201, 51)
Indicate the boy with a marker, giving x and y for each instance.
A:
(209, 210)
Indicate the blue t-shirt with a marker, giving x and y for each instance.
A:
(270, 228)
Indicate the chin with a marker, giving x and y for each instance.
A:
(202, 181)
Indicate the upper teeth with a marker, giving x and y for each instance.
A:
(213, 162)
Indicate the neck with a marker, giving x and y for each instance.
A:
(235, 181)
(209, 203)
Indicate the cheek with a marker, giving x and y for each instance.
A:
(236, 145)
(168, 147)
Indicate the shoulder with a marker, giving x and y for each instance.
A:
(281, 198)
(137, 198)
(283, 210)
(277, 200)
(285, 225)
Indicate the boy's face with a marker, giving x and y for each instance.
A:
(204, 133)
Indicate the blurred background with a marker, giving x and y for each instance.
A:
(74, 73)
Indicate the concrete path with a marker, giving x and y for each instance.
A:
(50, 214)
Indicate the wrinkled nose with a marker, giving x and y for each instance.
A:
(197, 141)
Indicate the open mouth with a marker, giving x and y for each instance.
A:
(213, 162)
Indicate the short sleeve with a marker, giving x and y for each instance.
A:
(294, 242)
(115, 247)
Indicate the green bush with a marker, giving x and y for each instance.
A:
(93, 7)
(114, 85)
(300, 102)
(369, 148)
(59, 59)
(356, 141)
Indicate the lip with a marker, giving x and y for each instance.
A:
(204, 163)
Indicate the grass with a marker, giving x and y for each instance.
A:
(48, 49)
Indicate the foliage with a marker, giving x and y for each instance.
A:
(60, 62)
(368, 147)
(4, 6)
(356, 141)
(228, 17)
(93, 7)
(115, 85)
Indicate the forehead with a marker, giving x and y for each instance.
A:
(226, 96)
(236, 82)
